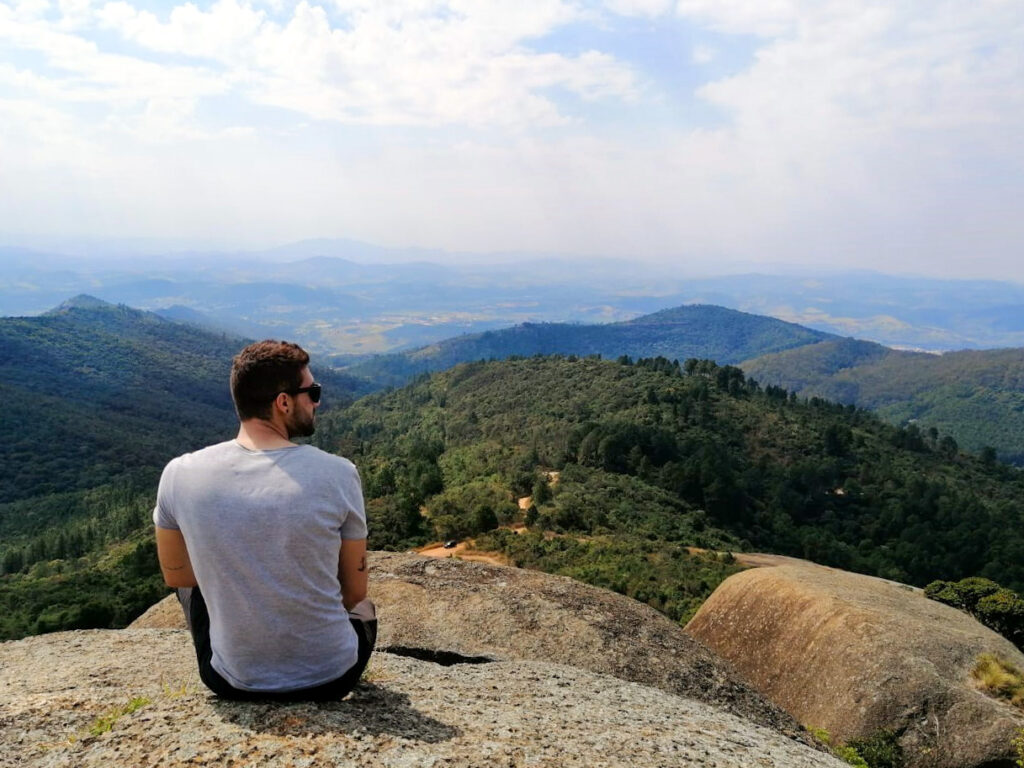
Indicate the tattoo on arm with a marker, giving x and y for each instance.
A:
(362, 565)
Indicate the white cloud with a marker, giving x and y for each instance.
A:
(766, 18)
(216, 34)
(702, 54)
(427, 62)
(876, 132)
(30, 9)
(418, 63)
(649, 8)
(866, 129)
(80, 72)
(75, 14)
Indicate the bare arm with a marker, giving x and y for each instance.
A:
(174, 562)
(352, 572)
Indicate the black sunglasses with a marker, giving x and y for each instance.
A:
(313, 390)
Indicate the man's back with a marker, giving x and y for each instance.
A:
(263, 530)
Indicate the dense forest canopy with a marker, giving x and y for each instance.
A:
(94, 391)
(695, 454)
(640, 476)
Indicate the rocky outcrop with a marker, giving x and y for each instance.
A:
(130, 699)
(449, 606)
(855, 654)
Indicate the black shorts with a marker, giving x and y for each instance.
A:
(364, 622)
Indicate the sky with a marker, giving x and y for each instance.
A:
(839, 133)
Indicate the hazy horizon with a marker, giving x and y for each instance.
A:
(91, 253)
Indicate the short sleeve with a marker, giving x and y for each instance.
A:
(163, 515)
(354, 526)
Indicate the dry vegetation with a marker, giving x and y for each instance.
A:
(999, 678)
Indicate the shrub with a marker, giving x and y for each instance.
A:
(1018, 745)
(998, 608)
(880, 750)
(851, 756)
(1003, 611)
(963, 594)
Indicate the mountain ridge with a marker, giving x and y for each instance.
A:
(81, 301)
(699, 331)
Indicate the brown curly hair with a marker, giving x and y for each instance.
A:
(261, 371)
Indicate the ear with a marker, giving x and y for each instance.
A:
(281, 401)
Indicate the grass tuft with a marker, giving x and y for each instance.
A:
(176, 690)
(999, 678)
(105, 722)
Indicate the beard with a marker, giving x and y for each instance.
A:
(300, 425)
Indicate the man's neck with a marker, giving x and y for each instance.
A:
(260, 435)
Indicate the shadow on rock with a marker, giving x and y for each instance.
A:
(369, 709)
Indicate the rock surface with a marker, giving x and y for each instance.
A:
(56, 690)
(473, 609)
(855, 654)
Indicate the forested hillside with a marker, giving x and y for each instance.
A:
(634, 460)
(975, 396)
(700, 331)
(97, 398)
(632, 468)
(92, 391)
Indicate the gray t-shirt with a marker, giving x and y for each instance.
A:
(263, 530)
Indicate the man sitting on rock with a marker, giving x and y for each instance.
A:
(265, 541)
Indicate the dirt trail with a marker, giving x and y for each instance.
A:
(463, 551)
